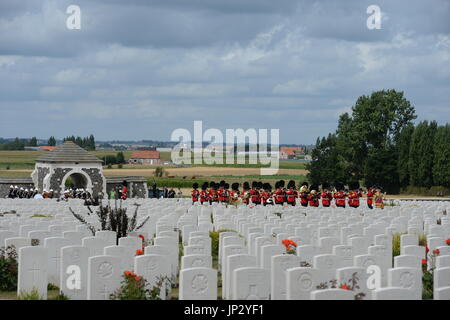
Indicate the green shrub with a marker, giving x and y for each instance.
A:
(136, 288)
(8, 268)
(52, 286)
(32, 295)
(396, 244)
(215, 241)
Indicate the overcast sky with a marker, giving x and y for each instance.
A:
(140, 69)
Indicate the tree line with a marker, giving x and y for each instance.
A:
(87, 143)
(119, 158)
(378, 144)
(17, 144)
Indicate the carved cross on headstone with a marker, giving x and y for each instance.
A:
(252, 293)
(34, 271)
(104, 292)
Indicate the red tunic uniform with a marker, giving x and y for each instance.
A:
(340, 199)
(356, 196)
(313, 200)
(220, 194)
(204, 196)
(265, 196)
(194, 195)
(124, 192)
(369, 197)
(279, 196)
(291, 195)
(254, 196)
(351, 196)
(213, 195)
(304, 199)
(326, 198)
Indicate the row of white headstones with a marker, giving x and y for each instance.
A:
(337, 244)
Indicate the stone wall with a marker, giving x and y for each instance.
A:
(137, 186)
(97, 180)
(42, 172)
(57, 177)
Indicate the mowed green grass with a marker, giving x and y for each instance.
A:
(19, 160)
(25, 159)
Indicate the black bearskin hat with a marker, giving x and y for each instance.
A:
(195, 185)
(254, 184)
(282, 183)
(291, 184)
(235, 186)
(259, 185)
(226, 186)
(205, 186)
(246, 186)
(222, 183)
(325, 185)
(354, 185)
(267, 186)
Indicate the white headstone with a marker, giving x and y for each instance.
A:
(54, 245)
(74, 269)
(32, 271)
(198, 284)
(104, 277)
(280, 263)
(251, 284)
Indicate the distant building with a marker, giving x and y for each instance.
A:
(145, 157)
(164, 149)
(290, 152)
(47, 148)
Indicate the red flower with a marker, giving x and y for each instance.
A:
(139, 252)
(448, 241)
(344, 286)
(141, 236)
(436, 251)
(424, 261)
(137, 278)
(126, 272)
(427, 249)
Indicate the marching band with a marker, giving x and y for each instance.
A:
(261, 194)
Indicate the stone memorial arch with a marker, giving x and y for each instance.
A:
(66, 161)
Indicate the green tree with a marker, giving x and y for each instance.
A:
(33, 142)
(403, 144)
(381, 169)
(366, 135)
(422, 154)
(441, 165)
(51, 141)
(120, 158)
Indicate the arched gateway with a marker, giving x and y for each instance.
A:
(85, 170)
